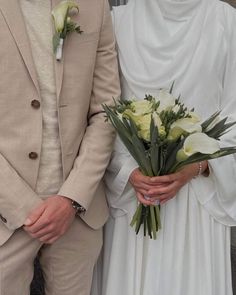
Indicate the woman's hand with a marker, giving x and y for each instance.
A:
(141, 184)
(149, 190)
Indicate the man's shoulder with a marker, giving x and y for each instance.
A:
(92, 5)
(90, 16)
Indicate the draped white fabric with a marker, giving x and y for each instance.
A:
(191, 42)
(158, 39)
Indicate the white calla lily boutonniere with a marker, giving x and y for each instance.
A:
(63, 25)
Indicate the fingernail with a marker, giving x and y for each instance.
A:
(27, 222)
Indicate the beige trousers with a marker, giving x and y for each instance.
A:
(67, 264)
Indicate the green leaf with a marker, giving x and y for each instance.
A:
(220, 128)
(78, 30)
(136, 214)
(64, 32)
(172, 86)
(157, 216)
(145, 225)
(162, 160)
(130, 139)
(153, 220)
(138, 146)
(154, 148)
(217, 129)
(141, 155)
(55, 41)
(149, 223)
(116, 122)
(139, 219)
(202, 157)
(171, 155)
(207, 122)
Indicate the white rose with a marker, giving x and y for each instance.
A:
(141, 107)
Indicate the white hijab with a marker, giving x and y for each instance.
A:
(157, 39)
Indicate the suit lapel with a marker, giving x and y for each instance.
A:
(59, 65)
(13, 16)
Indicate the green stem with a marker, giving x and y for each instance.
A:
(136, 214)
(158, 217)
(139, 219)
(149, 223)
(153, 220)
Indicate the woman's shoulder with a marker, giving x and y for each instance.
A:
(227, 15)
(117, 12)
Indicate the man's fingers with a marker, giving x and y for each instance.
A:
(52, 240)
(34, 215)
(48, 238)
(41, 232)
(53, 220)
(43, 221)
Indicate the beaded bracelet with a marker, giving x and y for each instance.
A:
(199, 169)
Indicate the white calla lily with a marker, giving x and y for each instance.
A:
(167, 101)
(187, 124)
(195, 117)
(60, 12)
(183, 126)
(197, 143)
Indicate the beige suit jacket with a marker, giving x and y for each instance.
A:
(85, 78)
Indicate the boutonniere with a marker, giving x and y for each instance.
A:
(63, 25)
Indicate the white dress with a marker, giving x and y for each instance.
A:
(191, 255)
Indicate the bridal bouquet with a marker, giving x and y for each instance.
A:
(163, 135)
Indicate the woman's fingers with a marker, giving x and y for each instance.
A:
(163, 179)
(136, 176)
(144, 200)
(160, 190)
(149, 190)
(163, 198)
(144, 184)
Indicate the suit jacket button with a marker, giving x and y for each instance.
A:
(33, 155)
(35, 104)
(3, 219)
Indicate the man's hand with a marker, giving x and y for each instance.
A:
(50, 220)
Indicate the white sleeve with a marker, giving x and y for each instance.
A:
(118, 172)
(217, 193)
